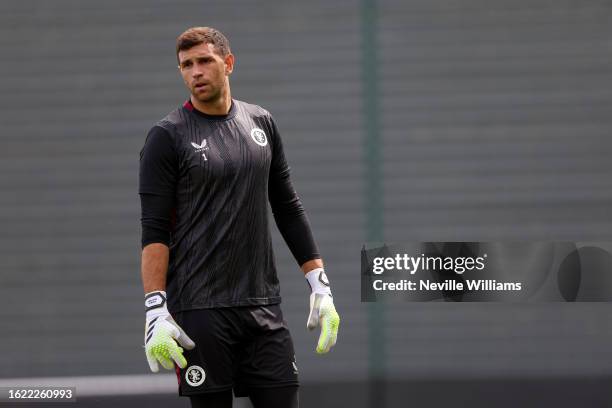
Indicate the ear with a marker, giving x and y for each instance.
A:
(229, 63)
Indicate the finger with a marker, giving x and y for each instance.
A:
(184, 340)
(329, 332)
(334, 331)
(315, 309)
(179, 335)
(152, 363)
(313, 319)
(334, 337)
(166, 362)
(323, 343)
(178, 358)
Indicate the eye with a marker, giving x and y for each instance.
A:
(186, 64)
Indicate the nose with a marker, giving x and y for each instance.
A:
(196, 73)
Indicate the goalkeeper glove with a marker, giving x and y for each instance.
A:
(322, 311)
(161, 331)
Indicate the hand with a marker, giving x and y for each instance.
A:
(322, 310)
(162, 334)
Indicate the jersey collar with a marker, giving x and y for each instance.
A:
(232, 112)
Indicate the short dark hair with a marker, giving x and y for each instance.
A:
(203, 35)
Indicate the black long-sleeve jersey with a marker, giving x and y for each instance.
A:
(205, 183)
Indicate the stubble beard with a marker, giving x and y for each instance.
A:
(209, 97)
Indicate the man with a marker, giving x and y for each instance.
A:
(207, 173)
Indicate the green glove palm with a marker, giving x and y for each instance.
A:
(323, 314)
(163, 337)
(322, 310)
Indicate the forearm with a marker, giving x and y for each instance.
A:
(292, 222)
(154, 267)
(164, 338)
(312, 264)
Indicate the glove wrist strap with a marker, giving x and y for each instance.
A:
(155, 301)
(318, 282)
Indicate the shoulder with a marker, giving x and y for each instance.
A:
(171, 121)
(253, 110)
(168, 127)
(162, 134)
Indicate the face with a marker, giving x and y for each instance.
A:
(205, 72)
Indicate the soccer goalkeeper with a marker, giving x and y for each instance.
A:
(207, 173)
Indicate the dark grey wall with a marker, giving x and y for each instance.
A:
(494, 124)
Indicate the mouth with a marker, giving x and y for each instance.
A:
(200, 85)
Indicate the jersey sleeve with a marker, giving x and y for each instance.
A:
(158, 164)
(289, 214)
(157, 182)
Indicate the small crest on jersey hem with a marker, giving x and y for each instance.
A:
(195, 375)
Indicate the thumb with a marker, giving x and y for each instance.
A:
(184, 340)
(315, 310)
(180, 336)
(152, 363)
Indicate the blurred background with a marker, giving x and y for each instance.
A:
(402, 120)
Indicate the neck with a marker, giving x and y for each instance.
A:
(220, 106)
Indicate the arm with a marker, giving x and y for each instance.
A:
(312, 264)
(295, 228)
(288, 211)
(154, 267)
(157, 178)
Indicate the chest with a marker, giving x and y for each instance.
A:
(215, 151)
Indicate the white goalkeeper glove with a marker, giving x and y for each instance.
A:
(162, 334)
(322, 311)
